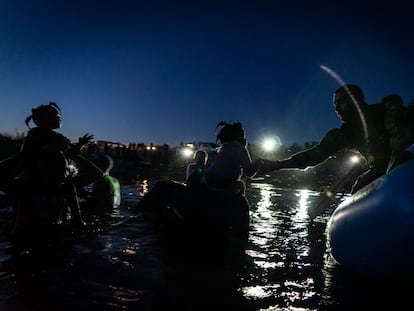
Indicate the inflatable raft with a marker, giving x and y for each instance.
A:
(372, 232)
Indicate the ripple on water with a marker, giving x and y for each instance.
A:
(121, 265)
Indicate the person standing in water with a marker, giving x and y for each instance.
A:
(106, 190)
(45, 158)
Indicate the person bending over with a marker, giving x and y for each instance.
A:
(363, 129)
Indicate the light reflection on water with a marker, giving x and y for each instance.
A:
(279, 246)
(123, 267)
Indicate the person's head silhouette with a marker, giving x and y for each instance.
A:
(348, 101)
(200, 157)
(231, 132)
(46, 116)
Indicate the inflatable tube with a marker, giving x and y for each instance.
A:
(211, 219)
(372, 232)
(195, 215)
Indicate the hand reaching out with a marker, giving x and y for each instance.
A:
(77, 147)
(267, 166)
(87, 138)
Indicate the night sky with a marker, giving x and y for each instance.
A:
(169, 71)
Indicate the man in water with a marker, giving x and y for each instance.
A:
(363, 129)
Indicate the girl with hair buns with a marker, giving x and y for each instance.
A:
(232, 160)
(45, 159)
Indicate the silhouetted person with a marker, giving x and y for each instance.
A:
(232, 161)
(45, 157)
(399, 122)
(195, 170)
(363, 129)
(106, 190)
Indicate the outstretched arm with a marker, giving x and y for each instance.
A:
(332, 142)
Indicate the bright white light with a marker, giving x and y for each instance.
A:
(354, 159)
(269, 144)
(187, 152)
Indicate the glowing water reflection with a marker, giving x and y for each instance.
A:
(279, 246)
(125, 267)
(142, 187)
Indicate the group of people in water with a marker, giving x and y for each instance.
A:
(382, 133)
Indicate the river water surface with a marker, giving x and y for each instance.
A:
(120, 264)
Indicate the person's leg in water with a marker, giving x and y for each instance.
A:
(72, 201)
(366, 178)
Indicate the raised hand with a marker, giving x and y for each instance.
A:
(87, 138)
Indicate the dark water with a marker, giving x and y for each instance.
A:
(120, 264)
